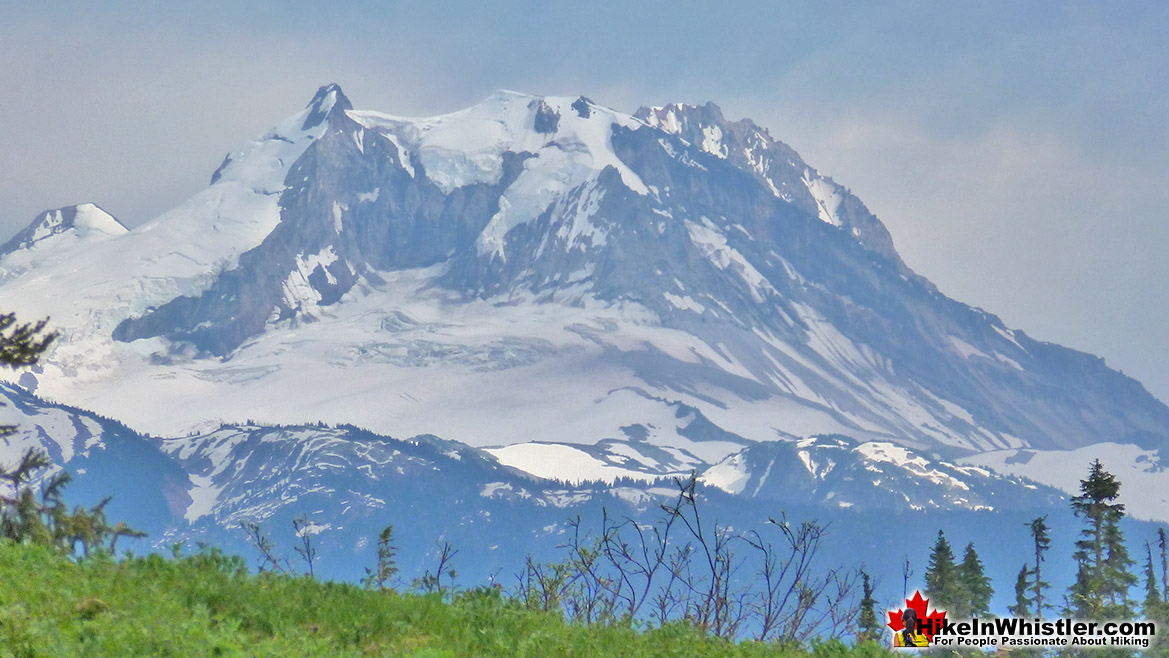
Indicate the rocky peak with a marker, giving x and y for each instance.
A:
(751, 148)
(328, 100)
(83, 220)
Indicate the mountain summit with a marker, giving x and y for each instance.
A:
(559, 280)
(83, 221)
(328, 101)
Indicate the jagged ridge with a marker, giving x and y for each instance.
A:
(672, 251)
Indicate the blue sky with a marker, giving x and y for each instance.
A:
(1018, 151)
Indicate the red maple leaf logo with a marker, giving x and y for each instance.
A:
(931, 620)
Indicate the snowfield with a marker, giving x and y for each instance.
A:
(623, 296)
(1144, 479)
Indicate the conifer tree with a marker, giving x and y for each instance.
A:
(1102, 577)
(1042, 542)
(1163, 544)
(1156, 606)
(21, 345)
(1153, 601)
(1022, 604)
(32, 511)
(381, 576)
(974, 585)
(941, 577)
(870, 628)
(20, 516)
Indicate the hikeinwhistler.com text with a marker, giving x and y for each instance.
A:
(1007, 632)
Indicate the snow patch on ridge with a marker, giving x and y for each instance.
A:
(712, 141)
(731, 474)
(713, 244)
(966, 349)
(337, 211)
(216, 451)
(204, 494)
(882, 451)
(298, 291)
(685, 303)
(581, 209)
(561, 462)
(827, 196)
(31, 430)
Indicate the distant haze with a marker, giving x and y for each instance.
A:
(1018, 152)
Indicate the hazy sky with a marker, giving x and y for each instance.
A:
(1017, 151)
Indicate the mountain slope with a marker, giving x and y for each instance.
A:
(84, 221)
(874, 476)
(1145, 490)
(548, 270)
(104, 458)
(350, 483)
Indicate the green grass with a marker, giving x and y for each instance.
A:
(207, 605)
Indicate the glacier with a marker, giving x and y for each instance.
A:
(545, 278)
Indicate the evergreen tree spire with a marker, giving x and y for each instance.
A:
(870, 628)
(1156, 607)
(1042, 542)
(1163, 544)
(974, 584)
(1102, 576)
(21, 345)
(1153, 601)
(941, 577)
(1022, 604)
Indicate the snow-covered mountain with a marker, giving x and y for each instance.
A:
(1142, 473)
(104, 457)
(875, 476)
(552, 279)
(83, 223)
(350, 483)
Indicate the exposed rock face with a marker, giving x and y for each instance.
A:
(736, 278)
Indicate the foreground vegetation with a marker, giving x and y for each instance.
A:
(208, 605)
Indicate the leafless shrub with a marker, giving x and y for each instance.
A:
(684, 567)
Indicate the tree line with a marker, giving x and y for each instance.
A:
(1104, 569)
